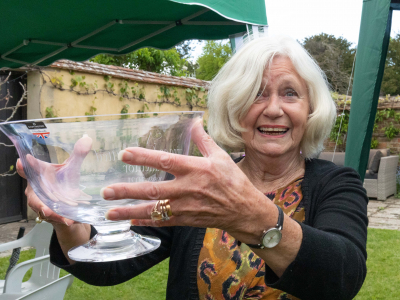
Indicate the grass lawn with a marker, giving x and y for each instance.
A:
(382, 282)
(150, 285)
(383, 265)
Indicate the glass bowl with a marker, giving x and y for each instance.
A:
(68, 161)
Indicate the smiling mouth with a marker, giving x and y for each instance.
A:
(272, 130)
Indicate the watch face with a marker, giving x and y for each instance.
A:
(272, 237)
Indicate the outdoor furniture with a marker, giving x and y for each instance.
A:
(385, 183)
(43, 272)
(55, 290)
(380, 182)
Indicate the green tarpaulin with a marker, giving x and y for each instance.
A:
(41, 32)
(370, 62)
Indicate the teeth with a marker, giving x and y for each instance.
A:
(266, 129)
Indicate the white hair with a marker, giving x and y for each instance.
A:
(235, 87)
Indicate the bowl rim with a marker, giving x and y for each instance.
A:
(106, 115)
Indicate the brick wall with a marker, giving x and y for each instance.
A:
(379, 134)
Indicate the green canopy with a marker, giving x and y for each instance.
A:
(372, 48)
(41, 32)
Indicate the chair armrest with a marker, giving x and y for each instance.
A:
(14, 278)
(54, 290)
(12, 245)
(388, 165)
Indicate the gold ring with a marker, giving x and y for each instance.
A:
(155, 214)
(168, 207)
(39, 219)
(161, 211)
(165, 209)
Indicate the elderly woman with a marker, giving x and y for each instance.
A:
(275, 224)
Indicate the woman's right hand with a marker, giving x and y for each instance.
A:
(37, 205)
(69, 232)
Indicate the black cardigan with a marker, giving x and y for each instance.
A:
(331, 263)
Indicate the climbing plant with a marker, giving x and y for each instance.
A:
(390, 130)
(129, 90)
(91, 113)
(124, 110)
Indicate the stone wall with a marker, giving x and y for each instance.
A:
(77, 89)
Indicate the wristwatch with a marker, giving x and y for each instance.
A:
(273, 236)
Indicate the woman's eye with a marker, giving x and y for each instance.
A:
(259, 94)
(290, 93)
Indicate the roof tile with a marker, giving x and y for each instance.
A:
(129, 74)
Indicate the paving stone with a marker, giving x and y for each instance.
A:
(386, 214)
(381, 226)
(392, 210)
(385, 221)
(392, 201)
(394, 205)
(377, 204)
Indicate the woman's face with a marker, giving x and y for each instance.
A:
(277, 119)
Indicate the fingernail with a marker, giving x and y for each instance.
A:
(44, 215)
(66, 223)
(112, 215)
(107, 193)
(125, 155)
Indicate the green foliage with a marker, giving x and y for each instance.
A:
(50, 112)
(148, 59)
(142, 94)
(124, 89)
(91, 113)
(145, 106)
(381, 115)
(374, 143)
(124, 110)
(391, 75)
(109, 86)
(193, 98)
(344, 118)
(57, 82)
(334, 56)
(184, 50)
(214, 56)
(391, 131)
(79, 81)
(165, 92)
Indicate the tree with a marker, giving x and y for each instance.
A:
(185, 50)
(391, 75)
(148, 59)
(334, 56)
(215, 55)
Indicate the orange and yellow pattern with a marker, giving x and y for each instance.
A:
(228, 270)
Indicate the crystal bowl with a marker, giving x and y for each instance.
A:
(67, 161)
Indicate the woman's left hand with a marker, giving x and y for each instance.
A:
(209, 191)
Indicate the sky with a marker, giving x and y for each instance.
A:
(304, 18)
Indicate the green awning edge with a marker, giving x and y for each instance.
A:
(248, 11)
(370, 62)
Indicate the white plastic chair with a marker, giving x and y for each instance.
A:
(43, 272)
(53, 291)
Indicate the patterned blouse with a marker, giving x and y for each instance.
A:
(228, 270)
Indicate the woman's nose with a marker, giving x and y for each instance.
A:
(273, 107)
